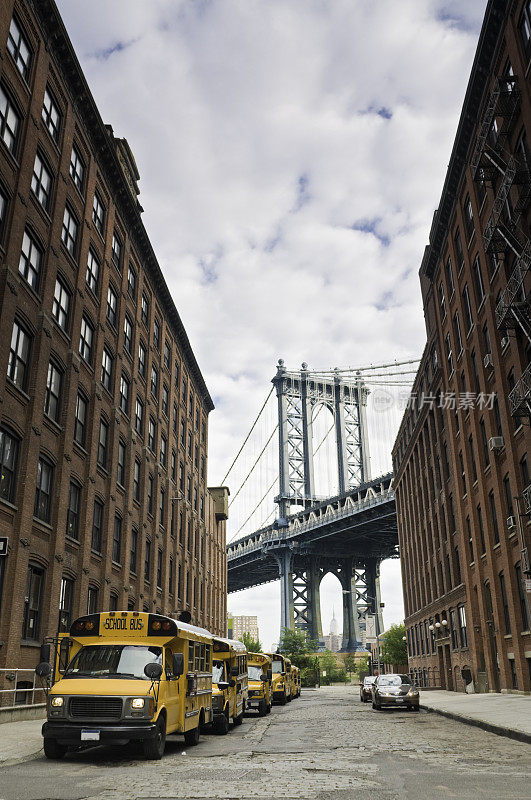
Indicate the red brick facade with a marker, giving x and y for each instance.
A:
(103, 408)
(461, 474)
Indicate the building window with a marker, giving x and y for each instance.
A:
(494, 517)
(117, 539)
(466, 309)
(472, 459)
(128, 334)
(30, 262)
(156, 333)
(52, 399)
(484, 442)
(4, 203)
(468, 217)
(133, 551)
(524, 471)
(139, 416)
(508, 496)
(167, 354)
(165, 399)
(173, 466)
(449, 355)
(481, 531)
(77, 168)
(124, 394)
(92, 600)
(453, 629)
(120, 471)
(61, 305)
(74, 507)
(93, 272)
(80, 420)
(159, 568)
(182, 433)
(478, 282)
(102, 443)
(152, 432)
(51, 116)
(43, 490)
(163, 450)
(449, 276)
(86, 340)
(41, 182)
(9, 121)
(457, 334)
(524, 26)
(470, 541)
(144, 309)
(112, 305)
(463, 638)
(19, 353)
(98, 213)
(69, 231)
(97, 526)
(150, 495)
(8, 465)
(171, 577)
(136, 481)
(522, 597)
(174, 424)
(154, 381)
(113, 602)
(181, 476)
(147, 560)
(106, 369)
(505, 604)
(202, 468)
(31, 624)
(142, 359)
(131, 282)
(18, 46)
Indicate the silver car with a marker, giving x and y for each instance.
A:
(396, 691)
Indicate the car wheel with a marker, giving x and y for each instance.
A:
(154, 748)
(52, 749)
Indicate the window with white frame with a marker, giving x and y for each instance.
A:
(19, 47)
(41, 182)
(51, 115)
(77, 168)
(30, 262)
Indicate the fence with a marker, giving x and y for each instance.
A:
(23, 688)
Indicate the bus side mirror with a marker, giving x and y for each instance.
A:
(43, 669)
(178, 664)
(153, 671)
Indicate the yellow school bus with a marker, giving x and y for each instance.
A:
(259, 674)
(289, 681)
(229, 683)
(295, 681)
(281, 683)
(123, 676)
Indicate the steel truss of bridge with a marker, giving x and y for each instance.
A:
(348, 535)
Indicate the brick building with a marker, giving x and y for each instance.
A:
(103, 408)
(461, 473)
(237, 625)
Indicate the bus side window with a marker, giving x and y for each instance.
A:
(190, 656)
(168, 662)
(208, 661)
(203, 659)
(197, 657)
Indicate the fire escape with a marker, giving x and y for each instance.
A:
(506, 234)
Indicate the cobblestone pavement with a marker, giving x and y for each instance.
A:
(326, 745)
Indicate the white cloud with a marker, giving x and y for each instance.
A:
(230, 106)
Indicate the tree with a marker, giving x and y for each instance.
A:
(296, 645)
(362, 665)
(328, 663)
(252, 645)
(351, 665)
(393, 648)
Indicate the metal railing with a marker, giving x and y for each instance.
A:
(526, 495)
(514, 284)
(520, 397)
(19, 694)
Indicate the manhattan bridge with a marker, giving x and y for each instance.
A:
(312, 492)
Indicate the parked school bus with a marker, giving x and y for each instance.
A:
(124, 676)
(259, 674)
(229, 683)
(295, 681)
(281, 684)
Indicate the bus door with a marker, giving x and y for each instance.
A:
(170, 687)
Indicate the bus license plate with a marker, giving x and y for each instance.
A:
(90, 735)
(399, 700)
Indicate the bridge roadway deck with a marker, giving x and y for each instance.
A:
(359, 523)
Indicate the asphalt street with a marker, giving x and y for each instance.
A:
(325, 745)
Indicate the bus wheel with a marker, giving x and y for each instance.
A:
(52, 749)
(289, 698)
(221, 725)
(262, 708)
(154, 748)
(238, 720)
(191, 738)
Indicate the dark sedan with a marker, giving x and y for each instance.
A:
(395, 691)
(366, 688)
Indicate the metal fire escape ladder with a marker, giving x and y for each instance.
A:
(497, 209)
(520, 396)
(513, 288)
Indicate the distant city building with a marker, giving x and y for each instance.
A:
(238, 625)
(333, 641)
(461, 457)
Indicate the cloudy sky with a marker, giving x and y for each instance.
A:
(291, 154)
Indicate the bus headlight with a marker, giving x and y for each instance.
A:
(57, 702)
(137, 702)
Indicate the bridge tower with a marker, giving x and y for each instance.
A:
(298, 394)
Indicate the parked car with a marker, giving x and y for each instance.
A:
(395, 690)
(366, 688)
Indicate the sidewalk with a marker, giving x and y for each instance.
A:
(20, 741)
(504, 714)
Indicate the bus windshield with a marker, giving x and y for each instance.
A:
(277, 667)
(254, 673)
(113, 661)
(218, 671)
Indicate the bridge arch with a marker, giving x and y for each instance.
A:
(324, 450)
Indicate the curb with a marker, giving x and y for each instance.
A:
(13, 762)
(499, 730)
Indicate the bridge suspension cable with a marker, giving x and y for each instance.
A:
(254, 465)
(247, 437)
